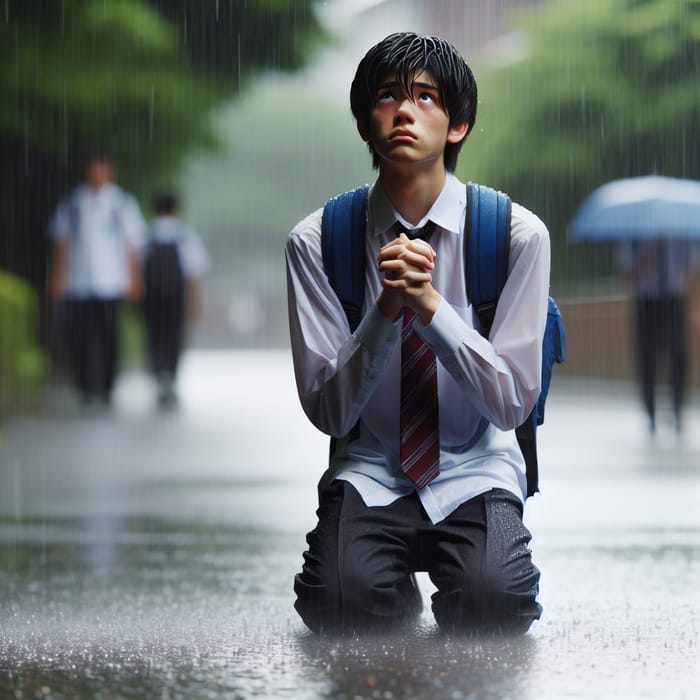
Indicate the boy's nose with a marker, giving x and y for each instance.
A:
(404, 111)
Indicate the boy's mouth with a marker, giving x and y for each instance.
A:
(402, 135)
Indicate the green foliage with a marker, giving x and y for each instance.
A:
(22, 363)
(89, 72)
(602, 90)
(134, 77)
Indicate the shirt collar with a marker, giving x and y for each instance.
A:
(109, 189)
(447, 210)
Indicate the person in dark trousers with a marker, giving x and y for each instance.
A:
(659, 271)
(450, 502)
(174, 264)
(97, 232)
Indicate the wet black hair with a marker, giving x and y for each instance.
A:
(100, 155)
(403, 54)
(165, 203)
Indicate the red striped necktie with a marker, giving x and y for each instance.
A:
(420, 435)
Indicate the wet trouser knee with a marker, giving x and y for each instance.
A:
(354, 580)
(486, 580)
(358, 571)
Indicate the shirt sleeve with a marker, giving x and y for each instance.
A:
(336, 371)
(195, 259)
(133, 223)
(502, 375)
(60, 224)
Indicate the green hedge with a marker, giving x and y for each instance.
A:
(23, 364)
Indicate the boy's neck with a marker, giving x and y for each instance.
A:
(412, 193)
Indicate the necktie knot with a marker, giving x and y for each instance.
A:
(424, 232)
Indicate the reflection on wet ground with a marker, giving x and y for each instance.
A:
(155, 609)
(140, 559)
(207, 613)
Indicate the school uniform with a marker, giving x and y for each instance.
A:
(375, 526)
(174, 255)
(99, 227)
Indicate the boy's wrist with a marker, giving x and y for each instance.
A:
(390, 304)
(428, 307)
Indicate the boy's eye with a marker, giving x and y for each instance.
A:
(385, 96)
(426, 97)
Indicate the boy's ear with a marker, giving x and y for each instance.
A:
(363, 130)
(457, 132)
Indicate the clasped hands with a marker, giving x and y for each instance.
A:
(407, 266)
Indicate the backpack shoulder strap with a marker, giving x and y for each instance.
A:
(486, 248)
(343, 249)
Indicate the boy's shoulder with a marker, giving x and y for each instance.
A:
(308, 228)
(304, 240)
(526, 224)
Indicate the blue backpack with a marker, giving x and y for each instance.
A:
(486, 249)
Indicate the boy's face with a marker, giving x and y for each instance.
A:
(405, 129)
(99, 172)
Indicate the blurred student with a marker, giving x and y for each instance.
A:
(658, 272)
(174, 265)
(97, 231)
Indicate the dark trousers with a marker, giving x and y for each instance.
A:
(661, 335)
(91, 339)
(165, 324)
(358, 571)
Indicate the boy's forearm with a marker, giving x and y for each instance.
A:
(135, 290)
(193, 302)
(336, 377)
(59, 267)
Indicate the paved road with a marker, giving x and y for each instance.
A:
(145, 554)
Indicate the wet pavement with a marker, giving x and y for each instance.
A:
(151, 555)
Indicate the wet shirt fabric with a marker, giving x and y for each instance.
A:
(100, 226)
(485, 387)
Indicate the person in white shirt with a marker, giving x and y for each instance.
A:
(414, 100)
(97, 232)
(175, 262)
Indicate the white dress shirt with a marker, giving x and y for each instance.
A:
(343, 378)
(99, 226)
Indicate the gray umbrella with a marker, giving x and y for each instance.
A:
(637, 208)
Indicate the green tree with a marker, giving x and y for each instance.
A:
(597, 90)
(134, 77)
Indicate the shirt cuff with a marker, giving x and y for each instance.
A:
(445, 332)
(377, 333)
